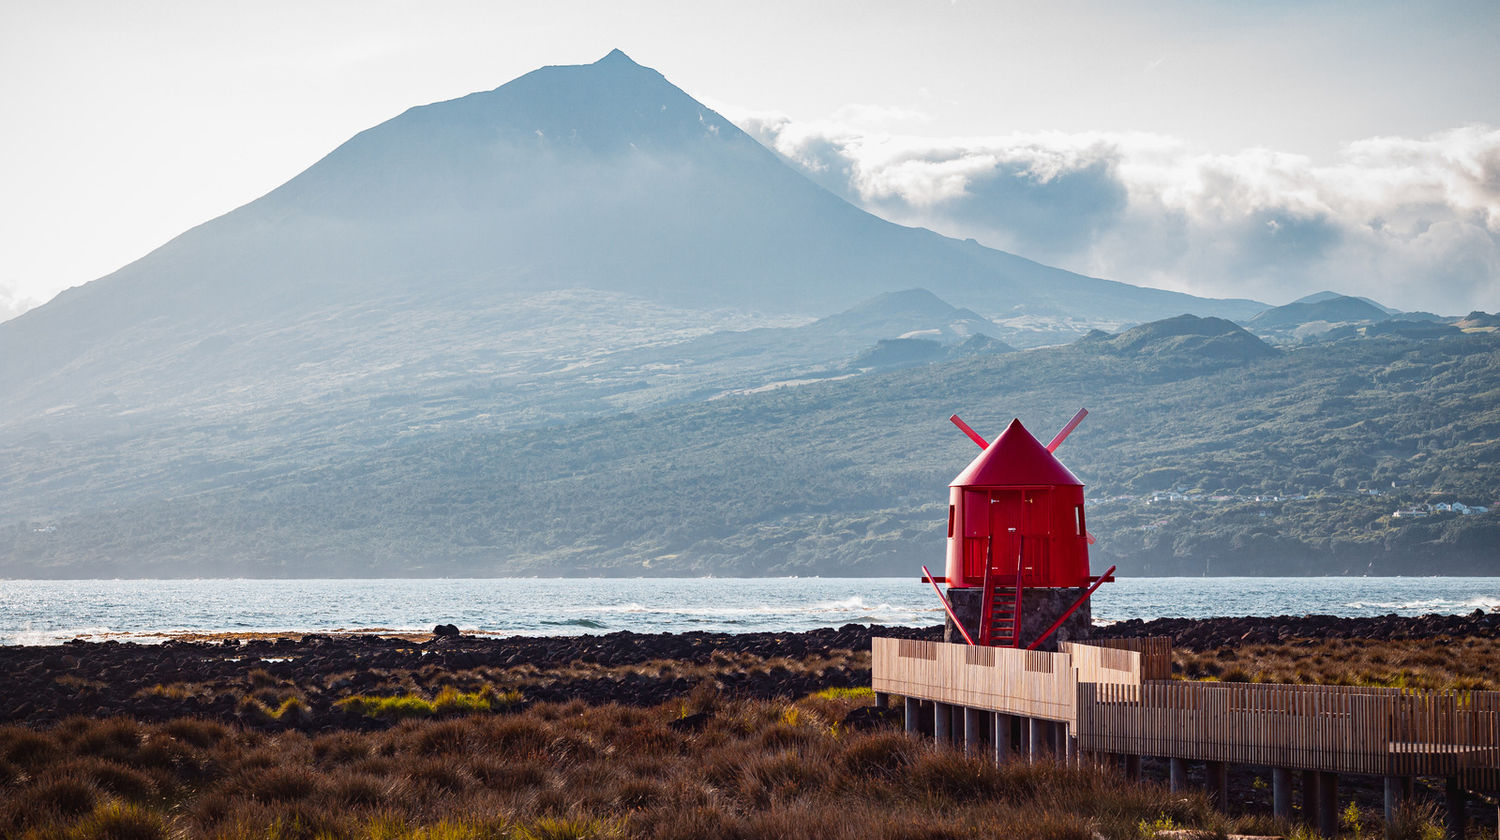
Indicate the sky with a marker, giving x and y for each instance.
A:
(1264, 150)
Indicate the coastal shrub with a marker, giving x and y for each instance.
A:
(340, 748)
(451, 700)
(58, 800)
(172, 691)
(692, 823)
(1416, 820)
(115, 738)
(196, 731)
(508, 776)
(120, 821)
(292, 709)
(24, 748)
(358, 790)
(517, 736)
(279, 784)
(883, 754)
(439, 738)
(573, 828)
(782, 735)
(950, 774)
(639, 792)
(783, 775)
(403, 706)
(448, 701)
(860, 692)
(259, 678)
(120, 780)
(438, 775)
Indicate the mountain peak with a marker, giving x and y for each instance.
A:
(616, 56)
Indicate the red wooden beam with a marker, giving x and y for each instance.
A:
(973, 435)
(1067, 430)
(956, 623)
(1076, 604)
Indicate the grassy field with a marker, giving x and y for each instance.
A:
(742, 769)
(438, 753)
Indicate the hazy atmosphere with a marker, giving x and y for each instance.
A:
(1223, 149)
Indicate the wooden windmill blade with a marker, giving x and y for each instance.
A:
(1067, 430)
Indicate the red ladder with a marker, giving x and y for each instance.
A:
(1000, 611)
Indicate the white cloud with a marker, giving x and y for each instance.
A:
(1413, 222)
(13, 302)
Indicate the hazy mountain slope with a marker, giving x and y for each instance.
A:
(602, 177)
(1186, 336)
(1319, 297)
(1337, 309)
(850, 477)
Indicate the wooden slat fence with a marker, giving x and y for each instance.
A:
(1116, 666)
(1103, 692)
(1345, 729)
(1031, 683)
(1155, 651)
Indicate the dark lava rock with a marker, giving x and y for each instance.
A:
(691, 723)
(445, 630)
(866, 718)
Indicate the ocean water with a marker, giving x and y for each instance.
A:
(45, 612)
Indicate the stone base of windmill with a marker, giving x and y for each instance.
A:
(1039, 608)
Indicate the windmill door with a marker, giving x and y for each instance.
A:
(1021, 520)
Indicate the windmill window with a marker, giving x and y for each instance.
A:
(1078, 519)
(951, 515)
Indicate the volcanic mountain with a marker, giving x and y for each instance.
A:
(603, 177)
(581, 241)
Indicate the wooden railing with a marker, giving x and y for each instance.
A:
(1111, 705)
(1155, 651)
(1031, 683)
(1381, 731)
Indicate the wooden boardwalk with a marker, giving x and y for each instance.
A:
(1116, 698)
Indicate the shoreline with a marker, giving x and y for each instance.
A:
(210, 674)
(1186, 632)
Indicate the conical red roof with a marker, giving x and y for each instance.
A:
(1014, 458)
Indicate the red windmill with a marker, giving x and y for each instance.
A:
(1017, 536)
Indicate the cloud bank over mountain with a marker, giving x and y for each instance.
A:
(1414, 222)
(13, 302)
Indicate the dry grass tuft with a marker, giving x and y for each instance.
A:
(1469, 663)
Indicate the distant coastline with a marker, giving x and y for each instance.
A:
(48, 612)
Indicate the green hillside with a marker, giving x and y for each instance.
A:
(850, 476)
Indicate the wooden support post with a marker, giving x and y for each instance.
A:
(942, 723)
(1071, 748)
(1037, 737)
(1177, 774)
(1133, 768)
(1328, 804)
(1216, 780)
(975, 729)
(1001, 739)
(1281, 793)
(1455, 800)
(913, 715)
(1310, 797)
(1393, 797)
